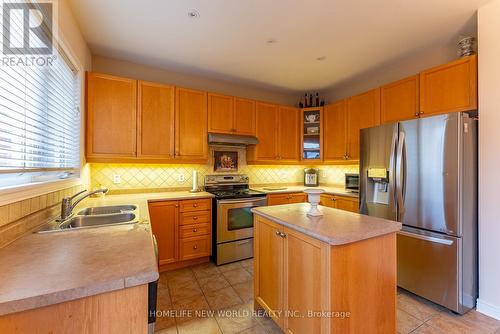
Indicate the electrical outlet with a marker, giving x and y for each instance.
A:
(323, 174)
(181, 178)
(117, 178)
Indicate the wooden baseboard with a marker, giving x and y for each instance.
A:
(183, 264)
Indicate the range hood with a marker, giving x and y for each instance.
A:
(231, 140)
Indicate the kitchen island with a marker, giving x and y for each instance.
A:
(330, 274)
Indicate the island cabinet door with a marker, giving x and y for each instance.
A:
(268, 268)
(165, 225)
(306, 285)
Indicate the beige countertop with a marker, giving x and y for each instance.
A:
(336, 227)
(49, 268)
(332, 190)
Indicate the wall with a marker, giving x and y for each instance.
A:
(489, 158)
(396, 69)
(150, 176)
(143, 72)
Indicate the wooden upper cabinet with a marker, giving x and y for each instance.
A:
(335, 128)
(363, 111)
(111, 116)
(244, 116)
(155, 121)
(165, 225)
(220, 113)
(450, 87)
(399, 100)
(191, 125)
(266, 131)
(231, 115)
(288, 134)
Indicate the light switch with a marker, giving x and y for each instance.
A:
(117, 178)
(181, 178)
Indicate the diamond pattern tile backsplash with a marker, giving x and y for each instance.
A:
(151, 176)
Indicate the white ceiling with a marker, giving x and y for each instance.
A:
(228, 40)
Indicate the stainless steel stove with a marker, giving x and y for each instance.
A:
(232, 218)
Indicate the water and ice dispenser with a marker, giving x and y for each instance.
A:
(377, 186)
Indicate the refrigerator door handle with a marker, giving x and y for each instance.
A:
(399, 175)
(427, 238)
(392, 166)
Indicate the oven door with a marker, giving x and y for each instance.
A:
(234, 218)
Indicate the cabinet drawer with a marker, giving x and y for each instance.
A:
(195, 230)
(195, 217)
(195, 205)
(194, 247)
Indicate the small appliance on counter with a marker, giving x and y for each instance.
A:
(352, 182)
(311, 177)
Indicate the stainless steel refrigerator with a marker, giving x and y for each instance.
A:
(423, 173)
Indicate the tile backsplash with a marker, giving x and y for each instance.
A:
(19, 217)
(144, 176)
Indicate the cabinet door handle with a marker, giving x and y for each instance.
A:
(195, 230)
(195, 247)
(421, 113)
(278, 233)
(195, 218)
(177, 205)
(195, 205)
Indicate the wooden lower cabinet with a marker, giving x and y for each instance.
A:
(164, 218)
(309, 286)
(287, 198)
(119, 311)
(183, 231)
(268, 271)
(290, 273)
(306, 283)
(340, 202)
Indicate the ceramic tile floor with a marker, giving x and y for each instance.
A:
(208, 299)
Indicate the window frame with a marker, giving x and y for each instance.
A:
(21, 192)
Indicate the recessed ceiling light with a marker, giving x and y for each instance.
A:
(271, 41)
(321, 58)
(193, 14)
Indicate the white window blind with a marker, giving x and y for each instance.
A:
(39, 115)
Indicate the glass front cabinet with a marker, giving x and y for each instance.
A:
(312, 134)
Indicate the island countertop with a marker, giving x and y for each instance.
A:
(335, 227)
(50, 268)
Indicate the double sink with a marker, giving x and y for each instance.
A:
(98, 216)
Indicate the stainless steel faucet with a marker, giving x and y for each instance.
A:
(67, 204)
